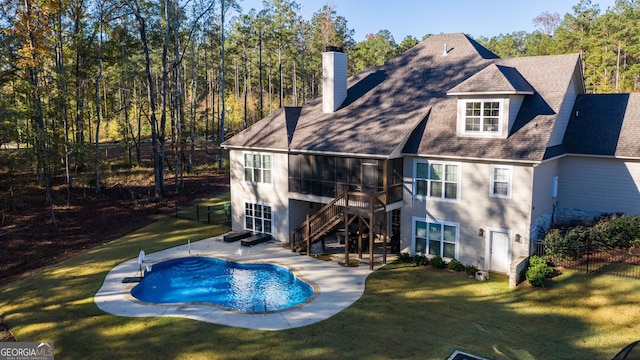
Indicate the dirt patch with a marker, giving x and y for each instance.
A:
(30, 241)
(5, 334)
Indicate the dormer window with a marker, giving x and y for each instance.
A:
(489, 101)
(482, 117)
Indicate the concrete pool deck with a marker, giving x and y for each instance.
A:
(335, 286)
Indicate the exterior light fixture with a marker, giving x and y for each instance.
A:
(480, 232)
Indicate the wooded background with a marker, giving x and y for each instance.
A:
(182, 75)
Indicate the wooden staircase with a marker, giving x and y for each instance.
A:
(318, 225)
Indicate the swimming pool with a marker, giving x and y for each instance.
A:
(237, 286)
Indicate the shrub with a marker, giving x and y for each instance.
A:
(437, 262)
(560, 245)
(471, 270)
(538, 271)
(611, 231)
(455, 265)
(634, 247)
(405, 257)
(421, 260)
(623, 230)
(598, 235)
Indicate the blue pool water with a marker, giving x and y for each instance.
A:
(243, 287)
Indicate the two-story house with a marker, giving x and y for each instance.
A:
(447, 149)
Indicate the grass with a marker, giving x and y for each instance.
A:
(407, 312)
(212, 209)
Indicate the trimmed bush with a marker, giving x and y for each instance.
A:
(405, 257)
(538, 271)
(437, 262)
(455, 265)
(471, 270)
(421, 260)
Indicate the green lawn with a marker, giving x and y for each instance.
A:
(406, 312)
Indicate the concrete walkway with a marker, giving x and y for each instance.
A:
(335, 287)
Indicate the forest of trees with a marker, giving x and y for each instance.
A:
(77, 73)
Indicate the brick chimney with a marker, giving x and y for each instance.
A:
(334, 78)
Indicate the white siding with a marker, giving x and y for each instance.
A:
(334, 80)
(274, 194)
(542, 185)
(599, 184)
(475, 209)
(543, 201)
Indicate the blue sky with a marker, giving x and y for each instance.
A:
(420, 17)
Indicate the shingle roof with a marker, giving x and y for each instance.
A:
(403, 105)
(550, 76)
(384, 104)
(272, 132)
(605, 124)
(494, 79)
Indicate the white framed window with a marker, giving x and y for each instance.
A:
(435, 238)
(501, 181)
(257, 168)
(257, 217)
(482, 117)
(437, 180)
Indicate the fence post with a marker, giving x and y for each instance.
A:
(209, 215)
(588, 254)
(176, 209)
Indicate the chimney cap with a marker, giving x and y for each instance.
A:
(331, 48)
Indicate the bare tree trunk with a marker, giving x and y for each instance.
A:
(138, 115)
(260, 76)
(206, 102)
(124, 104)
(270, 90)
(38, 117)
(223, 111)
(97, 89)
(193, 107)
(244, 91)
(236, 79)
(65, 107)
(618, 70)
(157, 139)
(80, 75)
(295, 90)
(281, 77)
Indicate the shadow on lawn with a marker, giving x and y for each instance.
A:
(405, 313)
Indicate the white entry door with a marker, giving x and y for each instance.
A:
(499, 252)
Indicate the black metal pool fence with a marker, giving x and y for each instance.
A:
(210, 214)
(616, 262)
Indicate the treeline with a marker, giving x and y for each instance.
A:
(608, 42)
(186, 74)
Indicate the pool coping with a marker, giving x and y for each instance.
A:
(335, 287)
